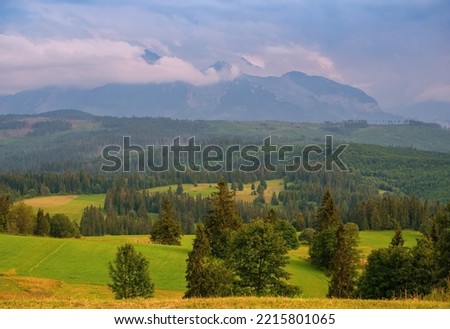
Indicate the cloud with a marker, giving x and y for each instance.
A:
(281, 58)
(254, 60)
(394, 49)
(32, 63)
(440, 93)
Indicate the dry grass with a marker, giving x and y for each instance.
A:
(218, 303)
(35, 293)
(49, 201)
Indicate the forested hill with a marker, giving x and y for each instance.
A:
(411, 159)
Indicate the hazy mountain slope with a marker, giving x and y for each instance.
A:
(294, 96)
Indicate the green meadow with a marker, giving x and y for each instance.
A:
(70, 205)
(73, 205)
(34, 269)
(85, 261)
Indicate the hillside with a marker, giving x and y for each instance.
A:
(409, 158)
(78, 267)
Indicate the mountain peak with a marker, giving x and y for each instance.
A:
(221, 66)
(150, 57)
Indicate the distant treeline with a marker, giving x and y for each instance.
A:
(356, 200)
(126, 211)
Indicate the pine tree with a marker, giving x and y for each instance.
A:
(129, 274)
(222, 220)
(167, 230)
(344, 265)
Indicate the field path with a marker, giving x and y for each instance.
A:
(47, 257)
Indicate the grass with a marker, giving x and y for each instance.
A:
(67, 273)
(70, 205)
(205, 189)
(370, 240)
(73, 205)
(85, 261)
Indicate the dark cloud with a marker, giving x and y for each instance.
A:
(396, 50)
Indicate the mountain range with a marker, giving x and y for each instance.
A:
(293, 96)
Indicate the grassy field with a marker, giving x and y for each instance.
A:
(33, 267)
(205, 189)
(73, 205)
(85, 261)
(70, 205)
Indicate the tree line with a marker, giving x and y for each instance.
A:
(233, 258)
(392, 272)
(20, 219)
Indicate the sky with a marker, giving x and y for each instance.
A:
(397, 51)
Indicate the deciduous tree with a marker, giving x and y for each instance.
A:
(259, 255)
(20, 219)
(129, 274)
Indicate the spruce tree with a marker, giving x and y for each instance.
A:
(42, 224)
(397, 239)
(344, 265)
(179, 189)
(222, 220)
(129, 274)
(167, 230)
(274, 201)
(327, 217)
(206, 276)
(323, 246)
(5, 204)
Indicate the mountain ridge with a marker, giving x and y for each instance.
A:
(293, 96)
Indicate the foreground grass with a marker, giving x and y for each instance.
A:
(85, 261)
(36, 293)
(222, 303)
